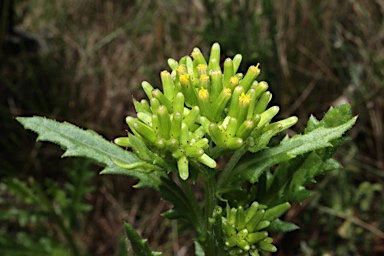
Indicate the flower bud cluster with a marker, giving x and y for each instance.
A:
(244, 229)
(202, 106)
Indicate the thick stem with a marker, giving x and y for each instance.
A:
(210, 203)
(194, 205)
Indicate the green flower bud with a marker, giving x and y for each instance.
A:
(242, 234)
(243, 244)
(245, 129)
(267, 115)
(204, 102)
(229, 229)
(188, 90)
(148, 88)
(231, 216)
(154, 105)
(202, 143)
(184, 134)
(168, 86)
(251, 211)
(205, 123)
(216, 134)
(216, 83)
(234, 143)
(172, 144)
(265, 246)
(198, 57)
(254, 221)
(260, 88)
(207, 160)
(250, 76)
(145, 131)
(240, 218)
(236, 62)
(262, 224)
(202, 69)
(252, 104)
(276, 211)
(190, 67)
(244, 102)
(190, 119)
(205, 82)
(162, 99)
(181, 70)
(192, 151)
(236, 251)
(231, 241)
(122, 141)
(182, 165)
(231, 127)
(263, 102)
(155, 124)
(177, 153)
(178, 103)
(234, 106)
(160, 143)
(262, 140)
(130, 121)
(228, 71)
(142, 106)
(233, 82)
(176, 125)
(173, 64)
(239, 75)
(256, 237)
(145, 118)
(214, 57)
(164, 121)
(220, 104)
(288, 122)
(199, 133)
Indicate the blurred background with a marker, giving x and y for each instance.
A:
(82, 60)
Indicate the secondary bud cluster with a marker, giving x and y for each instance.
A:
(244, 229)
(202, 106)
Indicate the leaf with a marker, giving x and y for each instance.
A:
(182, 207)
(199, 250)
(87, 143)
(252, 166)
(138, 244)
(287, 184)
(281, 226)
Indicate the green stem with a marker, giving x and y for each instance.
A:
(194, 205)
(227, 171)
(210, 203)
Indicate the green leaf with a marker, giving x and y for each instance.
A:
(182, 207)
(281, 226)
(199, 250)
(138, 244)
(287, 184)
(87, 143)
(252, 166)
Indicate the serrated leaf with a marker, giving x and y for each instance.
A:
(182, 207)
(151, 180)
(138, 244)
(252, 166)
(78, 142)
(287, 184)
(281, 226)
